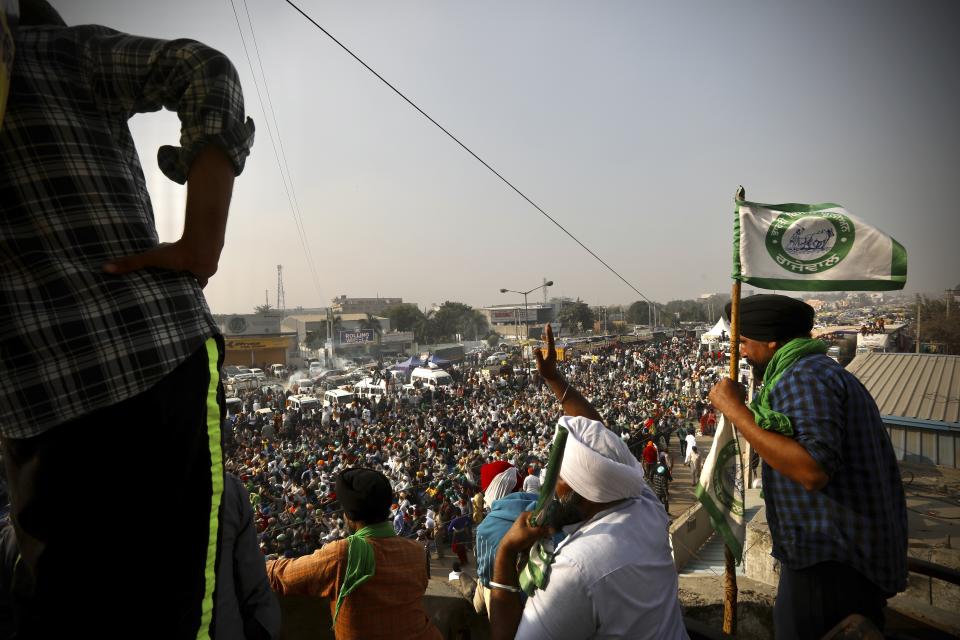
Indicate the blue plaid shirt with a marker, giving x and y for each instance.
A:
(859, 518)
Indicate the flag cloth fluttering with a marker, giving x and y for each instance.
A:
(720, 488)
(813, 247)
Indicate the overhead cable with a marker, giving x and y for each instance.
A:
(468, 150)
(284, 175)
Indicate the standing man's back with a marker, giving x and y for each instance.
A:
(108, 352)
(374, 580)
(831, 483)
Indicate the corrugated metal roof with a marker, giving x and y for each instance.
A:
(912, 385)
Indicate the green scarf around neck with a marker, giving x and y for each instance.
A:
(783, 359)
(361, 562)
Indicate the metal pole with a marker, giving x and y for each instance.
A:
(526, 319)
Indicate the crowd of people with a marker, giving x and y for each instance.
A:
(432, 443)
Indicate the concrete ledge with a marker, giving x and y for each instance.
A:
(306, 618)
(688, 533)
(758, 564)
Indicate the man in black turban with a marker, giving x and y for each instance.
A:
(831, 484)
(770, 318)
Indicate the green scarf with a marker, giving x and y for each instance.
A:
(361, 563)
(783, 359)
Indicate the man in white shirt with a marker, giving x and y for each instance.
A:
(691, 443)
(613, 575)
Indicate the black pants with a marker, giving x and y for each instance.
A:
(113, 513)
(813, 600)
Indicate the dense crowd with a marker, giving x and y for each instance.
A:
(432, 443)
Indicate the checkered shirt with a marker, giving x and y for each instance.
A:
(73, 196)
(859, 518)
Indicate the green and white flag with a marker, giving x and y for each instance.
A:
(813, 247)
(720, 489)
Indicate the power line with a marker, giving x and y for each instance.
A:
(283, 153)
(294, 210)
(468, 150)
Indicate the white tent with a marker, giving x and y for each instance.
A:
(713, 335)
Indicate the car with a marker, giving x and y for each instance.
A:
(278, 371)
(259, 375)
(496, 358)
(315, 369)
(230, 373)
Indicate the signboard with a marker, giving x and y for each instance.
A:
(513, 315)
(252, 344)
(359, 336)
(250, 324)
(397, 337)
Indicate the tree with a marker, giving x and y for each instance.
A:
(638, 312)
(404, 317)
(936, 327)
(262, 308)
(455, 318)
(576, 316)
(370, 322)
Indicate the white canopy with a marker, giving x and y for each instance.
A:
(713, 335)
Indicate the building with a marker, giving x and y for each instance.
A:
(248, 324)
(918, 396)
(257, 340)
(342, 305)
(517, 319)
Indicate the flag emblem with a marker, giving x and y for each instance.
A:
(810, 242)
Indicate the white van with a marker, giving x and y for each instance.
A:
(367, 389)
(337, 398)
(303, 403)
(431, 377)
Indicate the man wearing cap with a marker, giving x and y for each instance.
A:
(613, 575)
(834, 498)
(374, 580)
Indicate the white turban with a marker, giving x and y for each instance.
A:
(597, 463)
(502, 484)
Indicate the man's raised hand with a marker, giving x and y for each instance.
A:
(547, 366)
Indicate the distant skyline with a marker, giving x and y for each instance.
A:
(631, 123)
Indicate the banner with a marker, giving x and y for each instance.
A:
(813, 247)
(360, 336)
(253, 344)
(720, 489)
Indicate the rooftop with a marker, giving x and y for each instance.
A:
(917, 386)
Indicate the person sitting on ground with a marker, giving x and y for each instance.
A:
(613, 576)
(374, 580)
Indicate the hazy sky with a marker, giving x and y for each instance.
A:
(632, 123)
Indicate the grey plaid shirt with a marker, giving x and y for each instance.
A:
(73, 196)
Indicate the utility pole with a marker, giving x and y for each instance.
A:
(281, 301)
(918, 323)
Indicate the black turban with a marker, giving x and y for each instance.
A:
(770, 317)
(364, 494)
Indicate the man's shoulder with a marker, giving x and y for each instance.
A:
(815, 366)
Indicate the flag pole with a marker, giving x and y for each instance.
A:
(730, 569)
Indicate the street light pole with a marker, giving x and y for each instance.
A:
(526, 320)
